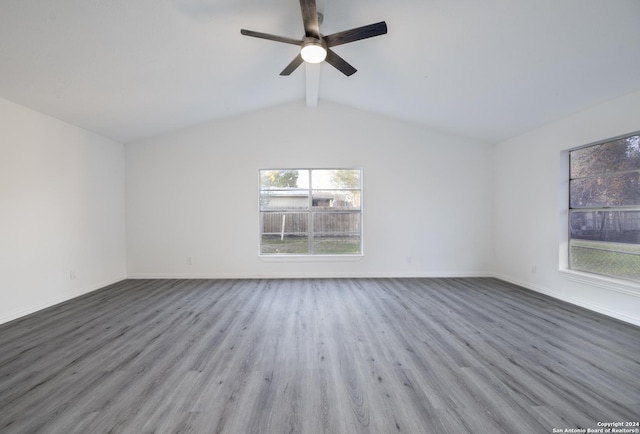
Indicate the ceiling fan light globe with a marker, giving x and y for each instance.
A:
(313, 52)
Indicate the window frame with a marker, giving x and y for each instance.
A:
(609, 281)
(311, 211)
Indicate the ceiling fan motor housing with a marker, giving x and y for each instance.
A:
(313, 50)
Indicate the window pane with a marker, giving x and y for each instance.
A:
(336, 199)
(609, 259)
(335, 179)
(284, 179)
(284, 200)
(293, 223)
(603, 191)
(611, 226)
(336, 223)
(336, 244)
(614, 156)
(290, 244)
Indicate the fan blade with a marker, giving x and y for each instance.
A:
(271, 37)
(356, 34)
(292, 66)
(310, 18)
(339, 63)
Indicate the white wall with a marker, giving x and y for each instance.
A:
(61, 211)
(193, 193)
(531, 209)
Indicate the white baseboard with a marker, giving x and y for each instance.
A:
(58, 298)
(305, 275)
(635, 320)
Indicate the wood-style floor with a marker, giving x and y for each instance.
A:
(316, 356)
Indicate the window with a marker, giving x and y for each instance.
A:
(310, 212)
(604, 208)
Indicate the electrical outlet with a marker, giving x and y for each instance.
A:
(189, 260)
(72, 275)
(534, 269)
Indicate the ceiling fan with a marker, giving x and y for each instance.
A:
(315, 47)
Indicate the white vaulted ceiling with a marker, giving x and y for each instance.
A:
(487, 69)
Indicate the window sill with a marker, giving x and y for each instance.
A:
(610, 283)
(310, 258)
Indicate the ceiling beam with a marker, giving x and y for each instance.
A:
(312, 72)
